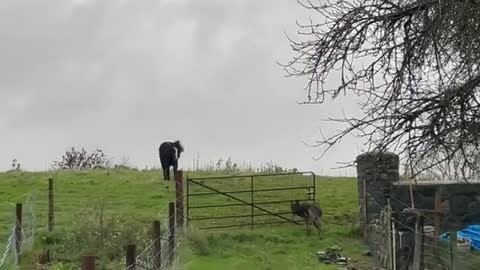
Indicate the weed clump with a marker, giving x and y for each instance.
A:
(198, 241)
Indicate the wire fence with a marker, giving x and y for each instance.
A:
(152, 258)
(399, 239)
(21, 236)
(9, 248)
(69, 222)
(161, 252)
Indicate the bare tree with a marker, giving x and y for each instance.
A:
(414, 66)
(450, 169)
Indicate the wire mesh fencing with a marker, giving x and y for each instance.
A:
(412, 239)
(9, 249)
(162, 252)
(21, 235)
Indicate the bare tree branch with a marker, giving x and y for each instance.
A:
(415, 65)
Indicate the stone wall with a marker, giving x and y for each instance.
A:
(377, 171)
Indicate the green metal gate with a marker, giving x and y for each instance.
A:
(246, 200)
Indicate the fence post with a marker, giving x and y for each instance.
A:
(187, 219)
(389, 237)
(437, 223)
(51, 212)
(18, 231)
(131, 257)
(418, 249)
(252, 211)
(157, 246)
(365, 209)
(171, 229)
(453, 249)
(438, 215)
(88, 262)
(179, 197)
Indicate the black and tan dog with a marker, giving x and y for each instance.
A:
(310, 212)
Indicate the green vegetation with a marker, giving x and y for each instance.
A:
(99, 211)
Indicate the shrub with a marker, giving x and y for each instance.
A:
(95, 231)
(16, 165)
(82, 160)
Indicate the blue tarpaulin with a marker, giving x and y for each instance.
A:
(471, 232)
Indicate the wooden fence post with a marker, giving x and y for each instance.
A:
(365, 209)
(18, 231)
(422, 241)
(51, 213)
(157, 246)
(131, 257)
(418, 251)
(388, 220)
(179, 197)
(453, 249)
(88, 262)
(437, 223)
(171, 229)
(252, 209)
(437, 215)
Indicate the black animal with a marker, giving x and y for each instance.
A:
(169, 153)
(310, 212)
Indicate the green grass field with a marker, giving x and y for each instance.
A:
(100, 211)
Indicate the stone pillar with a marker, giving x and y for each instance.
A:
(378, 171)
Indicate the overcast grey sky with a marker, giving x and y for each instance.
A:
(126, 75)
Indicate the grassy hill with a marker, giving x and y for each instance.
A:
(101, 211)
